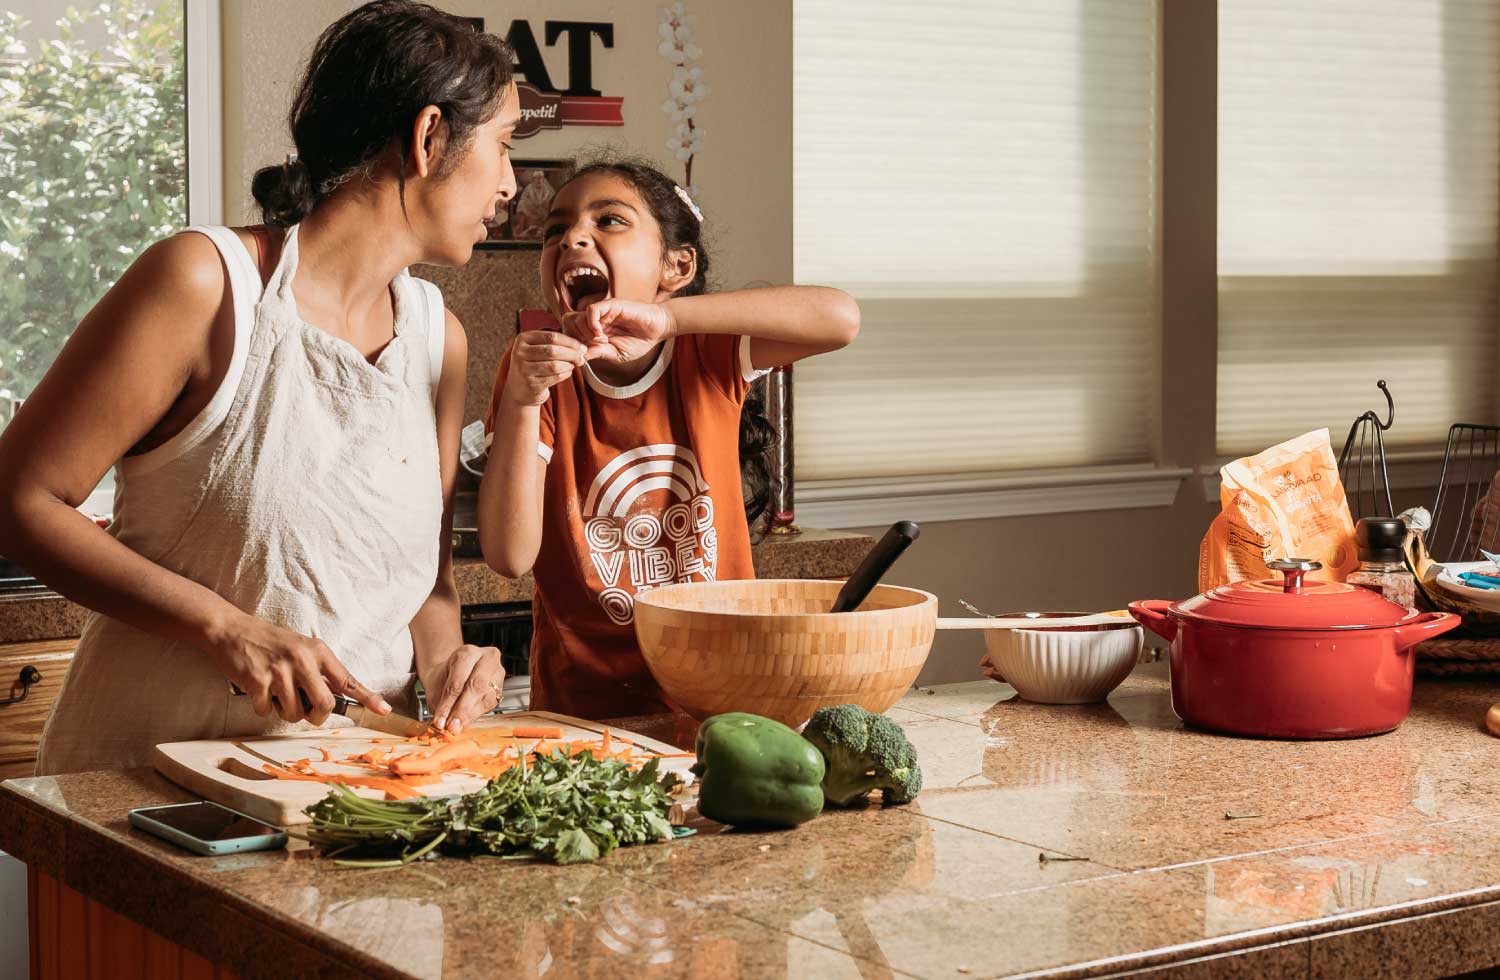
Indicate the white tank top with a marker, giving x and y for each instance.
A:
(307, 493)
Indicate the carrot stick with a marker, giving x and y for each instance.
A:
(327, 756)
(604, 743)
(396, 789)
(537, 731)
(442, 758)
(489, 734)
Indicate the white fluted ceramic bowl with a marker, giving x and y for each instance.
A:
(1065, 666)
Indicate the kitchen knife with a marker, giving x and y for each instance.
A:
(391, 724)
(875, 565)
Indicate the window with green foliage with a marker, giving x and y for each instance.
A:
(93, 165)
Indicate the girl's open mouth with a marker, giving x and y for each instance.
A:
(581, 287)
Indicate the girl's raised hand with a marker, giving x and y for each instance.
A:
(540, 359)
(621, 329)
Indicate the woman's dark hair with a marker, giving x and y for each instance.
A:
(369, 75)
(681, 228)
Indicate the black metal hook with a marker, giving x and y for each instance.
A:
(29, 676)
(1390, 408)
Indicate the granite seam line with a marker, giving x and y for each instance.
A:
(1406, 829)
(667, 890)
(1026, 843)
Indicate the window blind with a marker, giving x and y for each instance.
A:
(982, 177)
(1359, 169)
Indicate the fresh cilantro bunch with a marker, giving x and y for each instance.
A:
(562, 809)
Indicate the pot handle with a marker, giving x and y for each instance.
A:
(1152, 614)
(1425, 627)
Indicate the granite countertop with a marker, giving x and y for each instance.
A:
(814, 553)
(1372, 857)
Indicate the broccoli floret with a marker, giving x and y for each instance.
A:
(864, 751)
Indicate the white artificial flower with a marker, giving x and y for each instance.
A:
(678, 111)
(679, 52)
(686, 143)
(687, 85)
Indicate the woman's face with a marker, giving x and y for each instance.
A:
(458, 204)
(600, 241)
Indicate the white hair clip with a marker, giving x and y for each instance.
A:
(689, 202)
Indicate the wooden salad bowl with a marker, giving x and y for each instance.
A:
(770, 647)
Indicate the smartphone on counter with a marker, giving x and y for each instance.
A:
(207, 828)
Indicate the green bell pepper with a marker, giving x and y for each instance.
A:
(755, 772)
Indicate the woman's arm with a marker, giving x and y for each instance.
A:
(510, 494)
(129, 361)
(462, 681)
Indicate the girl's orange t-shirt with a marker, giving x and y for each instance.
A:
(642, 489)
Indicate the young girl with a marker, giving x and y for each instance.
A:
(615, 466)
(282, 405)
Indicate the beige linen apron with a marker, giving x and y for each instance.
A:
(307, 493)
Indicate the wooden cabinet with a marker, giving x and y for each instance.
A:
(21, 722)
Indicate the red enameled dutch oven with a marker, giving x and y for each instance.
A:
(1291, 660)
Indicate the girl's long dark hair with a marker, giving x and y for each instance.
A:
(369, 75)
(680, 228)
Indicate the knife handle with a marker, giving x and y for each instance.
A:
(341, 703)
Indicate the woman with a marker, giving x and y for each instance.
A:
(282, 405)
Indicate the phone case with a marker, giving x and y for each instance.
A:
(257, 842)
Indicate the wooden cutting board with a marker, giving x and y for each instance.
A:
(228, 771)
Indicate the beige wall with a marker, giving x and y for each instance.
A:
(1084, 561)
(743, 169)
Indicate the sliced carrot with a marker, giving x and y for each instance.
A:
(394, 788)
(281, 773)
(604, 742)
(448, 756)
(327, 756)
(537, 731)
(490, 734)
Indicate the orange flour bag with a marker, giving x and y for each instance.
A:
(1287, 502)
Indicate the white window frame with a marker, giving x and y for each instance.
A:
(205, 112)
(964, 497)
(204, 128)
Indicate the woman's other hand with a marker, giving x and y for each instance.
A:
(464, 686)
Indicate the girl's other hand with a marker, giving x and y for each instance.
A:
(272, 665)
(540, 359)
(466, 685)
(621, 329)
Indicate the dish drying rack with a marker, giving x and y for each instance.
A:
(1471, 460)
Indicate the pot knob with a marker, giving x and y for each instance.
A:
(1294, 569)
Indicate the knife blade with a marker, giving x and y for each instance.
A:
(391, 724)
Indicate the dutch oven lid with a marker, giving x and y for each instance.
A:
(1292, 604)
